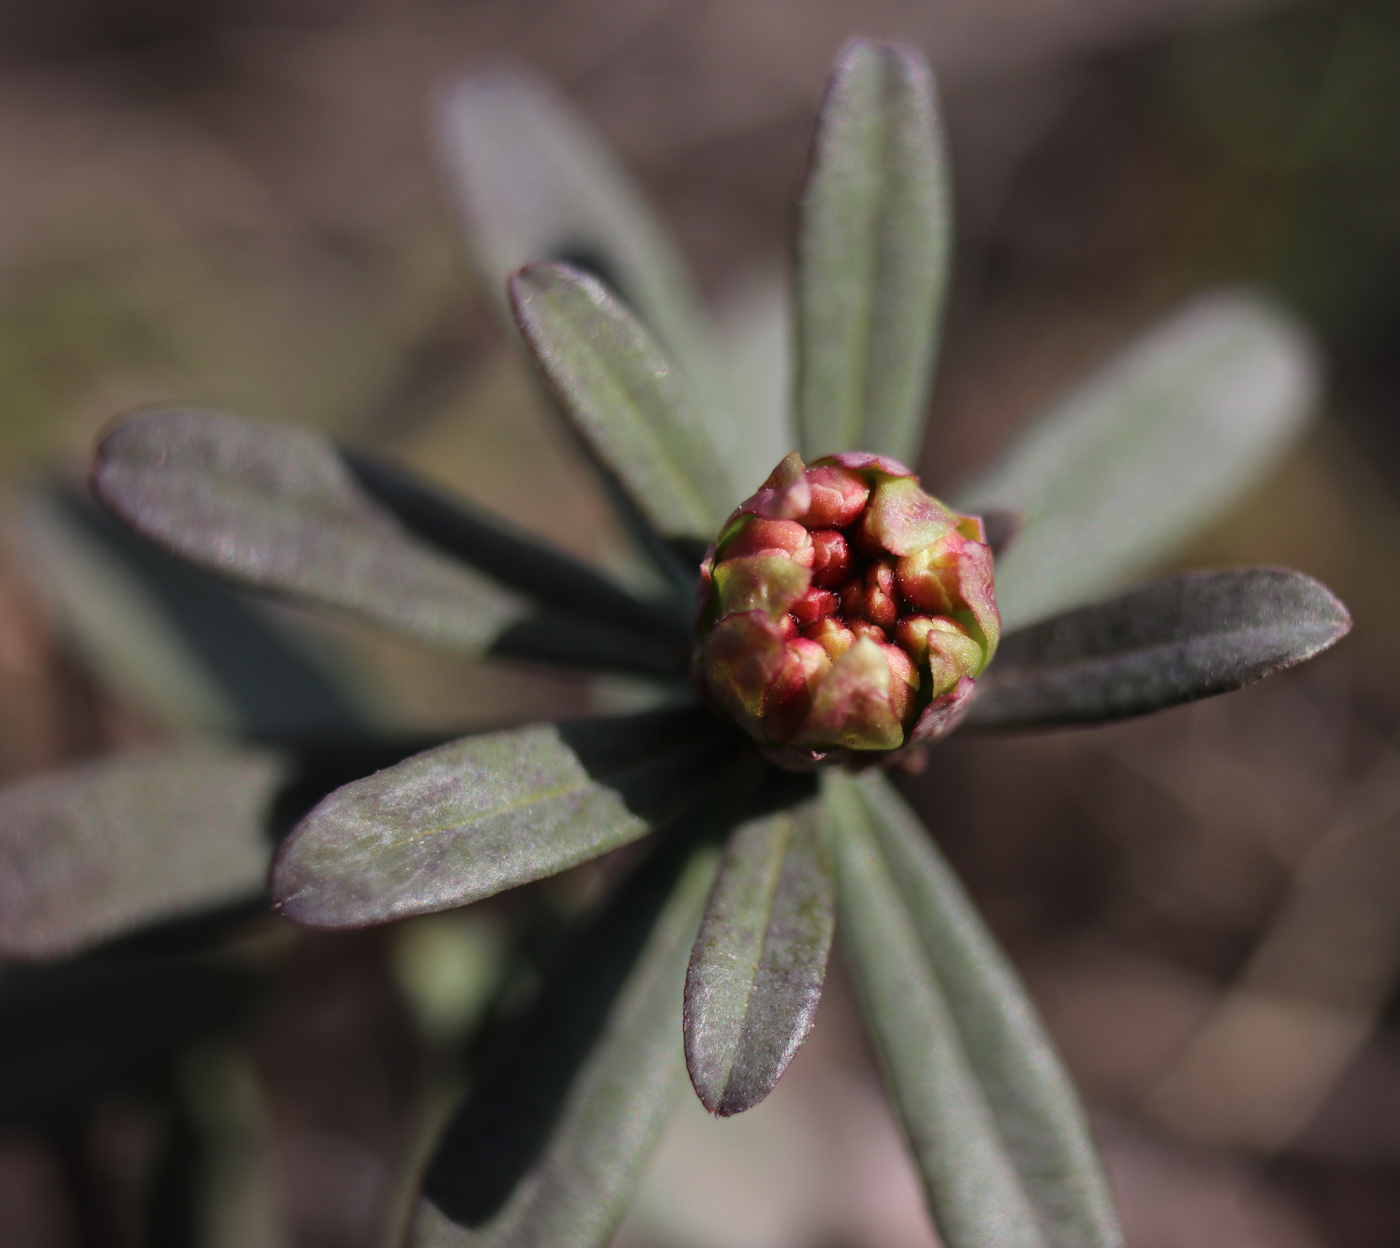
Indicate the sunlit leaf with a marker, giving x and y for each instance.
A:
(991, 1117)
(754, 326)
(534, 182)
(1032, 1098)
(486, 813)
(101, 848)
(757, 968)
(546, 1151)
(1179, 639)
(277, 508)
(872, 256)
(634, 411)
(1154, 448)
(178, 643)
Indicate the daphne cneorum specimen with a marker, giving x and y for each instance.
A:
(844, 618)
(844, 613)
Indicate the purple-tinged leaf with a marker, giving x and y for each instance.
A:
(991, 1117)
(277, 508)
(872, 256)
(1183, 638)
(548, 1147)
(468, 819)
(534, 182)
(970, 1180)
(102, 848)
(757, 968)
(1031, 1096)
(1147, 453)
(282, 510)
(633, 409)
(183, 646)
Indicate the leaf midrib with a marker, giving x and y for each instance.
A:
(770, 892)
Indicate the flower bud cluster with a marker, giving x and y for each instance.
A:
(843, 609)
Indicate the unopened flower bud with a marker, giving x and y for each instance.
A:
(842, 610)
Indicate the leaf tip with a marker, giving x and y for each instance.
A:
(1331, 610)
(292, 894)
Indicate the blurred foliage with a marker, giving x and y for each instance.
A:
(1290, 132)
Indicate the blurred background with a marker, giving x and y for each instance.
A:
(236, 202)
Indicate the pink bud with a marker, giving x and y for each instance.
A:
(929, 577)
(943, 646)
(754, 535)
(788, 701)
(814, 604)
(880, 606)
(834, 638)
(831, 558)
(838, 497)
(844, 613)
(870, 631)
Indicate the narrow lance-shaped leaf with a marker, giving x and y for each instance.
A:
(277, 508)
(975, 1193)
(1180, 639)
(534, 182)
(1149, 452)
(121, 635)
(181, 644)
(281, 510)
(509, 556)
(1037, 1111)
(547, 1150)
(466, 820)
(757, 968)
(588, 623)
(634, 411)
(872, 257)
(101, 848)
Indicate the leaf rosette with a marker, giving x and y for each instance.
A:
(842, 615)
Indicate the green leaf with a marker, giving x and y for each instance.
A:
(534, 182)
(589, 623)
(182, 645)
(276, 508)
(511, 558)
(1183, 638)
(1148, 453)
(1037, 1108)
(757, 968)
(486, 813)
(117, 629)
(633, 410)
(992, 1117)
(872, 256)
(548, 1148)
(102, 848)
